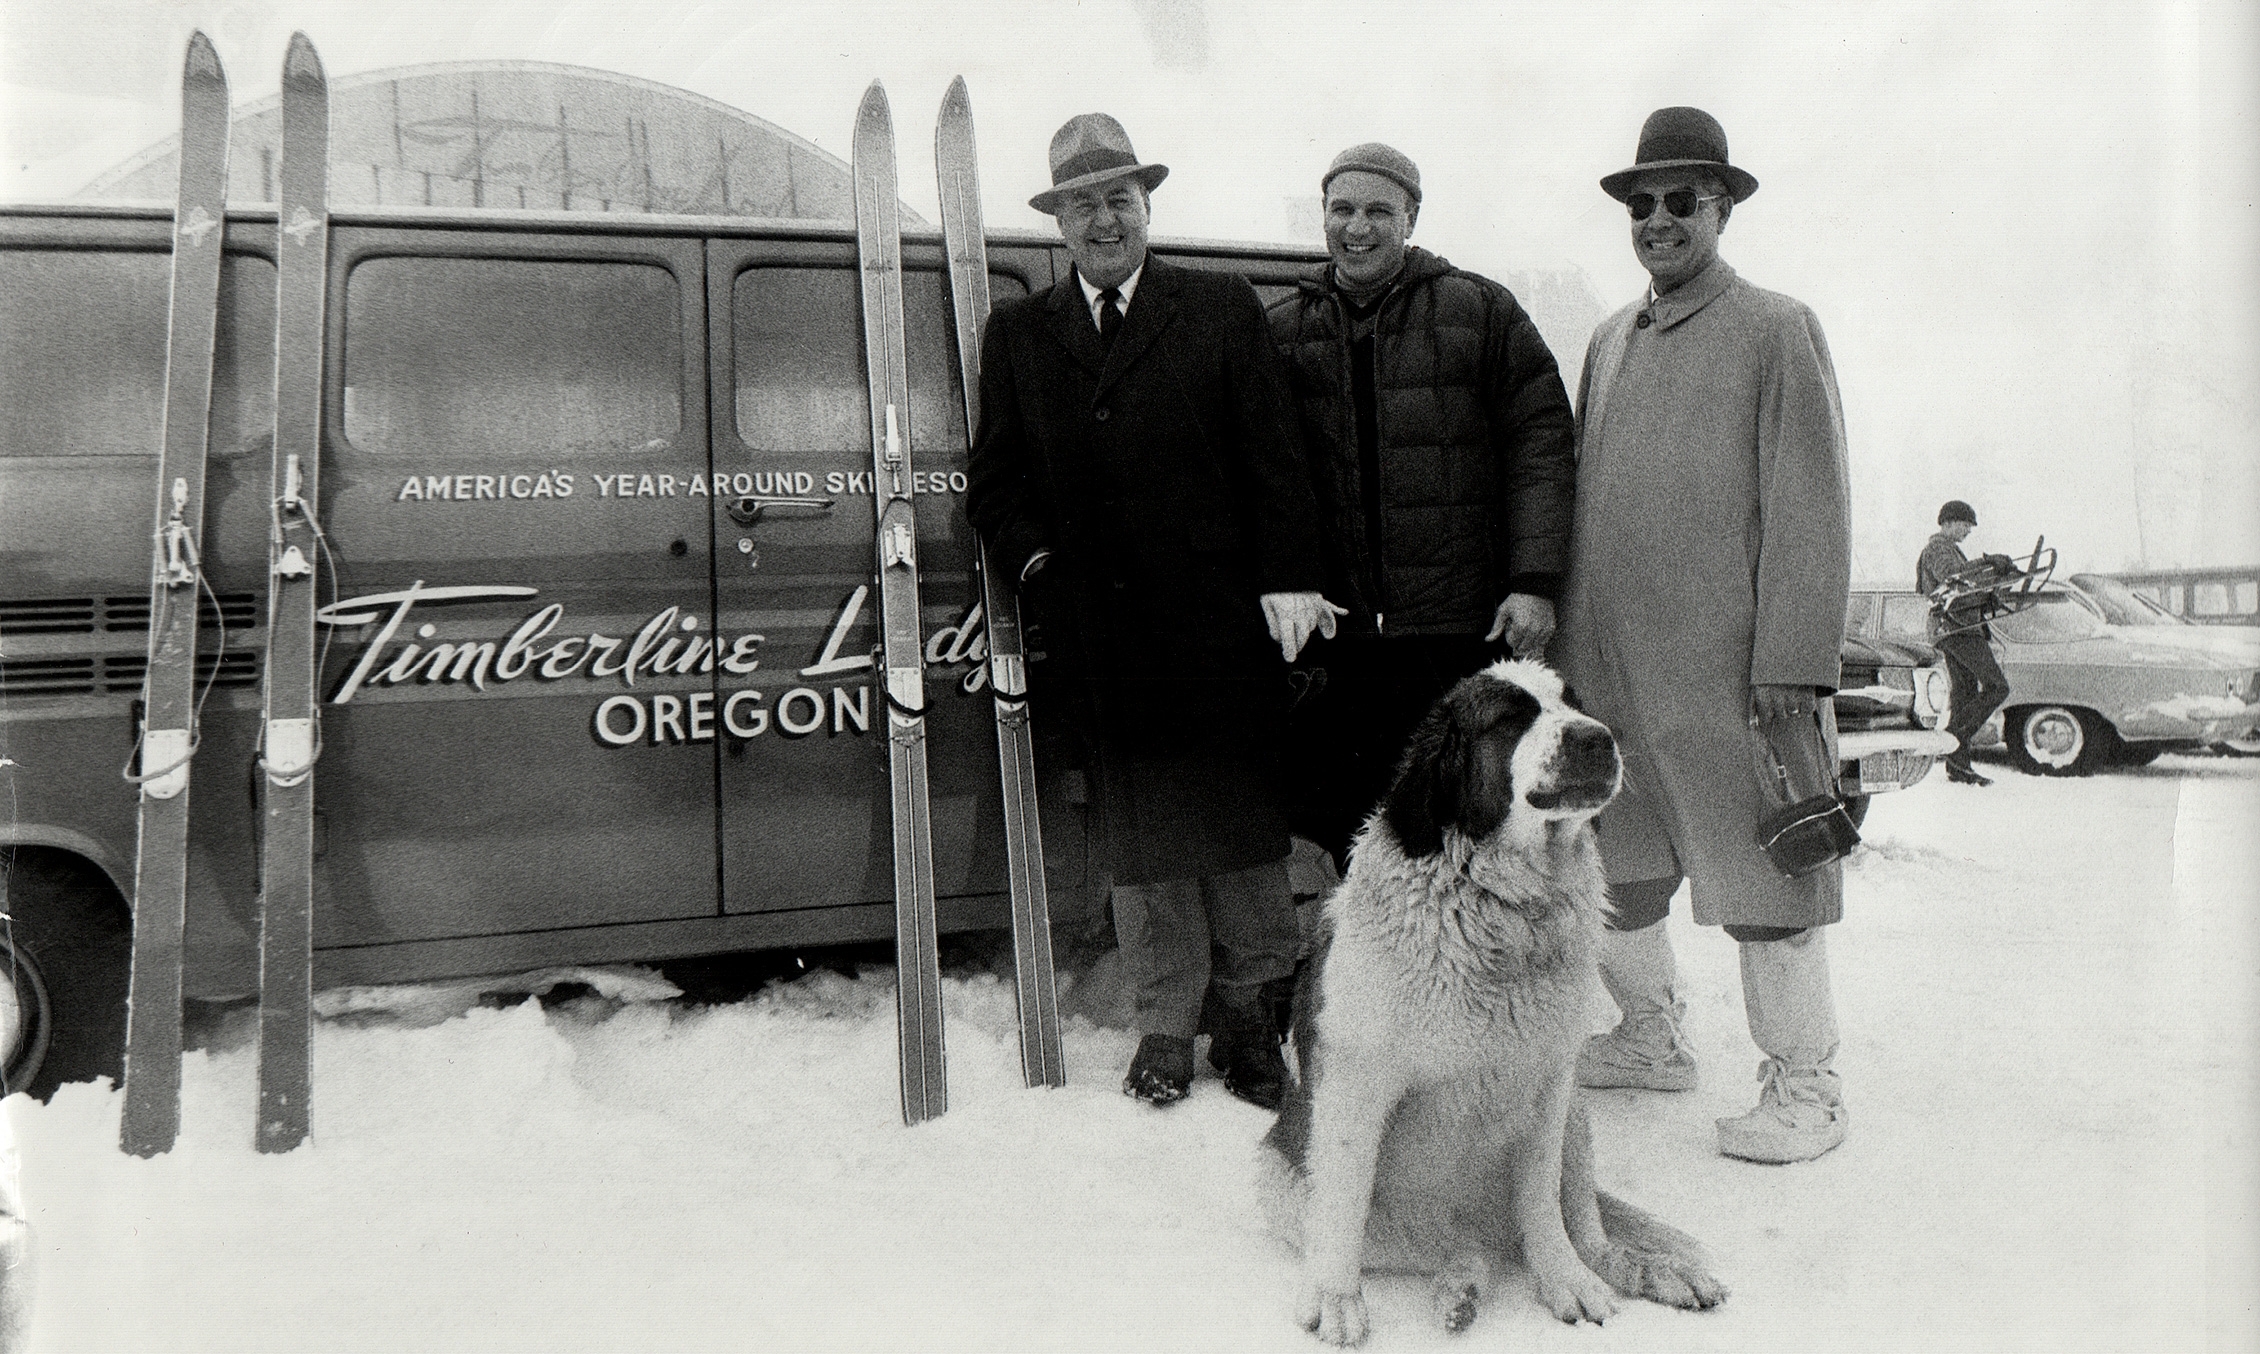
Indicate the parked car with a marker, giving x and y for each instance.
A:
(2097, 681)
(1891, 709)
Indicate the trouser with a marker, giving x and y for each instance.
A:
(1978, 688)
(1234, 931)
(1785, 987)
(1641, 904)
(1344, 745)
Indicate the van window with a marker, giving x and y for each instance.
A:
(82, 352)
(502, 357)
(802, 388)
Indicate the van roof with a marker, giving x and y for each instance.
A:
(643, 223)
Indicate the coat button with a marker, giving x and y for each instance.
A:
(1101, 413)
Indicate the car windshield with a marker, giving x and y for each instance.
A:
(2122, 605)
(2049, 618)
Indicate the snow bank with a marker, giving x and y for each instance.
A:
(2048, 1001)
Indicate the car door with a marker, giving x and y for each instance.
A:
(517, 732)
(803, 779)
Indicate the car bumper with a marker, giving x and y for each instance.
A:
(1875, 761)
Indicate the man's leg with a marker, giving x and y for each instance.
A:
(1968, 656)
(1251, 915)
(1785, 992)
(1646, 1050)
(1162, 929)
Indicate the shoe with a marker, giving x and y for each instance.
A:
(1963, 775)
(1253, 1068)
(1162, 1073)
(1800, 1114)
(1644, 1052)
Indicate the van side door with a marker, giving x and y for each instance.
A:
(804, 798)
(518, 723)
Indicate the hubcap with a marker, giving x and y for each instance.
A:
(2054, 738)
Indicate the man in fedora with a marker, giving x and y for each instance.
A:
(1439, 437)
(1137, 469)
(1958, 616)
(1702, 616)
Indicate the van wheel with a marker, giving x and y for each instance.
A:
(2058, 740)
(65, 948)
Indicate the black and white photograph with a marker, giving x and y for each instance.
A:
(1114, 675)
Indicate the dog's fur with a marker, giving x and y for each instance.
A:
(1434, 1129)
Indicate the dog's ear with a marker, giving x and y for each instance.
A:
(1426, 793)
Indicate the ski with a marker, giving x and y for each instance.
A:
(958, 171)
(878, 242)
(289, 737)
(169, 706)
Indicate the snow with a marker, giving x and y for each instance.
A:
(2047, 990)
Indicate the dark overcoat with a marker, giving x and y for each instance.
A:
(1165, 478)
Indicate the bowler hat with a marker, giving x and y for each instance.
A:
(1680, 138)
(1955, 510)
(1092, 148)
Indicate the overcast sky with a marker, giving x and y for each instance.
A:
(2030, 231)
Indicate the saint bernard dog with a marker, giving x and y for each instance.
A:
(1434, 1130)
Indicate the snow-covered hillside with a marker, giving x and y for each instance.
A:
(2048, 997)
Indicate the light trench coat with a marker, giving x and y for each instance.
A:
(1712, 552)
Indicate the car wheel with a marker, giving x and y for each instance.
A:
(65, 946)
(2058, 740)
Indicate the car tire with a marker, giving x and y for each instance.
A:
(2058, 740)
(65, 950)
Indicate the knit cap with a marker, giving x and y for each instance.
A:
(1955, 510)
(1375, 158)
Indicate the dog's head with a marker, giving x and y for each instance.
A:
(1504, 747)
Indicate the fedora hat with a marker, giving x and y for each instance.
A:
(1680, 138)
(1092, 148)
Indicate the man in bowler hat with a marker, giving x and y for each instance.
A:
(1440, 445)
(1959, 608)
(1137, 469)
(1710, 566)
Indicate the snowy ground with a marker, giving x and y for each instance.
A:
(2048, 997)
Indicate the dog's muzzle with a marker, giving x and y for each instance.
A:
(1585, 770)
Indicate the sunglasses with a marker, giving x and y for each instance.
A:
(1680, 202)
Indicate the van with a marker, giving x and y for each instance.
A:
(597, 626)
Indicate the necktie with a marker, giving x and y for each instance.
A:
(1110, 315)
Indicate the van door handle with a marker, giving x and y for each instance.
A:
(748, 510)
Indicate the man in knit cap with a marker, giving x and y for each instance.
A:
(1439, 439)
(1960, 606)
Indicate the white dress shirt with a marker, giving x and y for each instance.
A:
(1127, 286)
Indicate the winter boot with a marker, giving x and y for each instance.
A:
(1162, 1071)
(1800, 1111)
(1245, 1049)
(1645, 1051)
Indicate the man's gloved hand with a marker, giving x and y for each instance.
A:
(2001, 564)
(1293, 617)
(1527, 621)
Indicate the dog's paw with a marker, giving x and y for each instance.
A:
(1333, 1314)
(1576, 1294)
(1455, 1305)
(1662, 1276)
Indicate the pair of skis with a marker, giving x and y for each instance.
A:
(169, 700)
(879, 253)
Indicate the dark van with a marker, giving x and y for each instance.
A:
(597, 668)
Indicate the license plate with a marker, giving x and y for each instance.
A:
(1883, 771)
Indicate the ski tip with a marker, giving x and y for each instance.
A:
(874, 101)
(958, 100)
(203, 59)
(303, 64)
